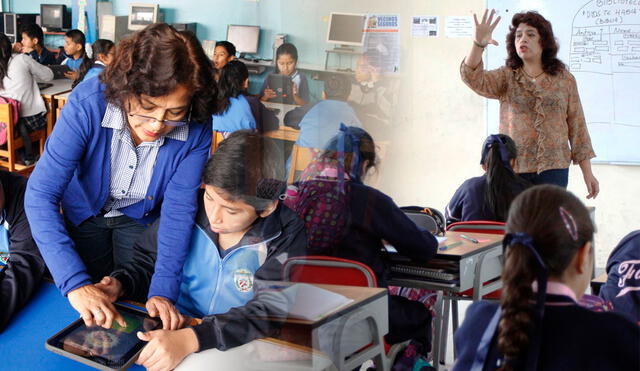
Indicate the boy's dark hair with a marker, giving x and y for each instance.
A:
(154, 61)
(502, 182)
(246, 166)
(286, 48)
(77, 37)
(337, 88)
(100, 46)
(231, 83)
(33, 31)
(5, 55)
(559, 225)
(228, 46)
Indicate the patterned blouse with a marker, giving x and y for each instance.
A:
(546, 120)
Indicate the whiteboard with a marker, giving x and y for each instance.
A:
(600, 43)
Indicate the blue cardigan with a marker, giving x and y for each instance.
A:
(75, 171)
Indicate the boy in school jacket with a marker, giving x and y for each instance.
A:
(25, 267)
(242, 235)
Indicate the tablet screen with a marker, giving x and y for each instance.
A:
(111, 347)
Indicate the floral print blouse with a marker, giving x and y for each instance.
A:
(545, 119)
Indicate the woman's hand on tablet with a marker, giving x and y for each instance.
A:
(94, 307)
(171, 318)
(166, 349)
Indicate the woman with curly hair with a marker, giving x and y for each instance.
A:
(539, 102)
(129, 147)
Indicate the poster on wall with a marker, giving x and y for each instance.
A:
(382, 41)
(424, 26)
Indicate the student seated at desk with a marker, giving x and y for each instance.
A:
(622, 288)
(319, 122)
(18, 75)
(356, 222)
(74, 53)
(538, 324)
(488, 197)
(236, 108)
(286, 62)
(25, 267)
(223, 53)
(32, 44)
(242, 234)
(103, 53)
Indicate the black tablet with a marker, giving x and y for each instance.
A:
(281, 84)
(59, 70)
(105, 349)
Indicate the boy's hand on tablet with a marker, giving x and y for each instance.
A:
(72, 75)
(171, 318)
(94, 307)
(110, 286)
(166, 349)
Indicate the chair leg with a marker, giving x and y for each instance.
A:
(454, 321)
(437, 329)
(445, 328)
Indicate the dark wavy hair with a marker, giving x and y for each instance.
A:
(538, 212)
(231, 83)
(550, 63)
(5, 55)
(154, 61)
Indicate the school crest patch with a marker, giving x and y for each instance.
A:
(243, 280)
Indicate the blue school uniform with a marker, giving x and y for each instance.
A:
(94, 71)
(245, 112)
(73, 64)
(622, 288)
(301, 82)
(572, 338)
(469, 203)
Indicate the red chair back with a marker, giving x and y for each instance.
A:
(328, 270)
(478, 226)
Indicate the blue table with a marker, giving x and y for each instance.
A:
(22, 342)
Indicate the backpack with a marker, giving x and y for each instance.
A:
(322, 201)
(436, 215)
(3, 125)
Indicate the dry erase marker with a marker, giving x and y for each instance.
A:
(468, 238)
(445, 247)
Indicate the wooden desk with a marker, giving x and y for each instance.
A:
(334, 334)
(59, 86)
(476, 264)
(597, 283)
(60, 100)
(284, 132)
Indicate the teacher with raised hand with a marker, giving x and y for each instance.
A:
(128, 147)
(539, 102)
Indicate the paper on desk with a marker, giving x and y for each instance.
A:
(312, 302)
(441, 239)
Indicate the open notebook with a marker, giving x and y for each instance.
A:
(312, 302)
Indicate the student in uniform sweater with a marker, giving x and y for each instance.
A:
(371, 217)
(237, 109)
(18, 75)
(74, 53)
(488, 197)
(32, 44)
(242, 235)
(538, 324)
(24, 270)
(103, 53)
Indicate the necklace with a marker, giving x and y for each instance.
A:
(533, 78)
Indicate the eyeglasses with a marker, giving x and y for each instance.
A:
(148, 119)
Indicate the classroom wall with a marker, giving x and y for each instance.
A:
(433, 143)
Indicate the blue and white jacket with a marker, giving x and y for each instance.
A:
(213, 283)
(623, 277)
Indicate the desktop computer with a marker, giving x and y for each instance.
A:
(185, 26)
(113, 27)
(54, 17)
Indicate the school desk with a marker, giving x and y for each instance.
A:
(22, 342)
(596, 283)
(283, 132)
(476, 264)
(312, 345)
(60, 101)
(59, 86)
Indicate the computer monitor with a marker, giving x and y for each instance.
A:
(245, 38)
(10, 26)
(142, 15)
(54, 16)
(346, 29)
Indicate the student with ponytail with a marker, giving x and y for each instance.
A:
(538, 324)
(488, 197)
(103, 52)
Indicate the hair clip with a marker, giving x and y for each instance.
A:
(569, 223)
